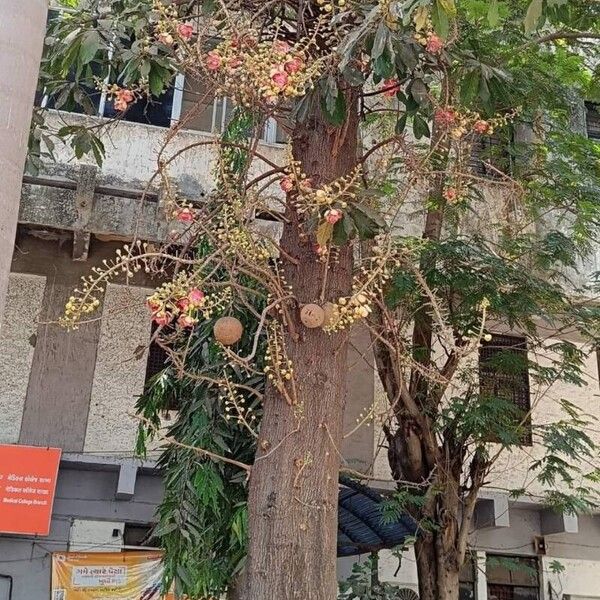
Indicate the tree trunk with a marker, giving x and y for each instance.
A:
(294, 482)
(438, 573)
(22, 30)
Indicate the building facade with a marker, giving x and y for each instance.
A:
(76, 390)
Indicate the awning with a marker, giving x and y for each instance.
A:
(361, 527)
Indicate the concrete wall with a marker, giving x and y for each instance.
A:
(132, 150)
(120, 370)
(17, 343)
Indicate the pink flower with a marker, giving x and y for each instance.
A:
(391, 87)
(165, 38)
(195, 297)
(306, 184)
(450, 194)
(183, 304)
(186, 321)
(286, 184)
(213, 61)
(153, 305)
(293, 65)
(281, 47)
(234, 63)
(320, 249)
(444, 117)
(162, 318)
(435, 44)
(126, 95)
(280, 79)
(185, 30)
(123, 98)
(481, 127)
(333, 216)
(185, 215)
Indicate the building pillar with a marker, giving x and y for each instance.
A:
(480, 576)
(22, 30)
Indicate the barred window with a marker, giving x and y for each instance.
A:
(157, 357)
(491, 156)
(503, 373)
(592, 120)
(512, 578)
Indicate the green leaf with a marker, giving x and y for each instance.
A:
(439, 17)
(420, 127)
(419, 91)
(448, 6)
(401, 124)
(533, 16)
(156, 82)
(493, 14)
(90, 44)
(353, 75)
(334, 107)
(380, 42)
(366, 221)
(469, 87)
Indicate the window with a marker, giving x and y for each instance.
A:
(490, 156)
(592, 120)
(139, 535)
(503, 374)
(157, 358)
(512, 578)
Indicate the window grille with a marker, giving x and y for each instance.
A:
(592, 120)
(157, 357)
(512, 578)
(510, 383)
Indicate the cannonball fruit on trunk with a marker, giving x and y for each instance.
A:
(228, 330)
(312, 315)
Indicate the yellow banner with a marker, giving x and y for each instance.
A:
(107, 576)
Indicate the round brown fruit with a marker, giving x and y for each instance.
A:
(228, 330)
(312, 315)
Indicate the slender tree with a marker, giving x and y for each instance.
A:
(384, 104)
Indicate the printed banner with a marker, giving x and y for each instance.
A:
(27, 483)
(107, 576)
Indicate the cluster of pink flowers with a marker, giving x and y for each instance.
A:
(273, 69)
(435, 44)
(333, 215)
(287, 184)
(184, 30)
(451, 194)
(183, 309)
(123, 98)
(482, 127)
(184, 215)
(445, 117)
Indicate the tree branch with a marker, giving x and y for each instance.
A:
(561, 35)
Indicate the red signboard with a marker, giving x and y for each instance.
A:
(27, 484)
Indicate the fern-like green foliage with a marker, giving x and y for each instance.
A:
(202, 519)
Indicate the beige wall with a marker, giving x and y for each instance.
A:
(120, 370)
(95, 536)
(17, 344)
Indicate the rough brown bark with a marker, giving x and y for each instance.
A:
(294, 482)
